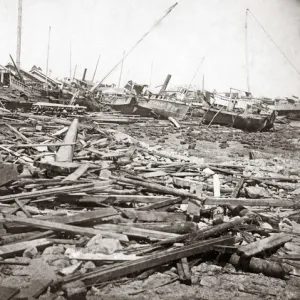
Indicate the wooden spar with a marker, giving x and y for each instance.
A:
(164, 86)
(121, 70)
(65, 153)
(47, 64)
(45, 192)
(96, 68)
(18, 71)
(96, 85)
(246, 51)
(19, 36)
(156, 187)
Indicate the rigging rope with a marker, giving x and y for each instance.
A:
(248, 10)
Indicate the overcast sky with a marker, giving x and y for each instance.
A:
(194, 29)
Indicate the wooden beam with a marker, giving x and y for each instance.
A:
(63, 227)
(251, 202)
(123, 198)
(65, 153)
(273, 241)
(45, 192)
(8, 173)
(18, 248)
(155, 187)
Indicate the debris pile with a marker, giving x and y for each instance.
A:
(87, 209)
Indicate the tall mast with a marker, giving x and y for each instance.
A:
(121, 70)
(96, 68)
(246, 50)
(18, 62)
(151, 70)
(48, 58)
(70, 60)
(74, 72)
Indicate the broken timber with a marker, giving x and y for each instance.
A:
(148, 262)
(63, 227)
(65, 153)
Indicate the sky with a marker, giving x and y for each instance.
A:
(213, 29)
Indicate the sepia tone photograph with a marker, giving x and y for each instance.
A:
(149, 149)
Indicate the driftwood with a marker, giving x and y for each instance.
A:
(258, 265)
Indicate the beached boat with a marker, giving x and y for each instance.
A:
(164, 106)
(242, 120)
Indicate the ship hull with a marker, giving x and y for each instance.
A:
(250, 123)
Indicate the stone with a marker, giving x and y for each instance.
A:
(61, 263)
(89, 265)
(105, 246)
(54, 250)
(30, 252)
(75, 290)
(257, 192)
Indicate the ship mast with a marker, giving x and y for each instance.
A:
(246, 50)
(47, 64)
(121, 71)
(18, 61)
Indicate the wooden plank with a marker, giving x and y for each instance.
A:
(251, 202)
(148, 262)
(22, 207)
(45, 192)
(63, 227)
(172, 227)
(7, 293)
(155, 187)
(8, 173)
(18, 248)
(86, 217)
(102, 257)
(160, 204)
(77, 173)
(123, 198)
(154, 174)
(34, 290)
(237, 189)
(65, 153)
(275, 240)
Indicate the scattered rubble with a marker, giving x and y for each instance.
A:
(98, 209)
